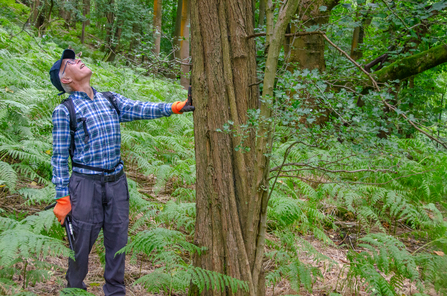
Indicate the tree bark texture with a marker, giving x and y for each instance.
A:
(231, 188)
(308, 51)
(184, 43)
(224, 67)
(157, 25)
(412, 65)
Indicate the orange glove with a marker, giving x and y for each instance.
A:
(186, 106)
(62, 208)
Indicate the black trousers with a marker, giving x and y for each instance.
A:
(99, 202)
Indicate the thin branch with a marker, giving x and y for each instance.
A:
(287, 35)
(350, 182)
(392, 11)
(310, 168)
(376, 86)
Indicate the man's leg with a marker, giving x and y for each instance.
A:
(87, 217)
(116, 222)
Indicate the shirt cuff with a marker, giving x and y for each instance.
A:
(61, 192)
(168, 109)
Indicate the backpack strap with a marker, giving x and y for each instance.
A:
(71, 110)
(111, 98)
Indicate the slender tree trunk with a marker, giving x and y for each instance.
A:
(184, 43)
(261, 13)
(231, 186)
(157, 25)
(358, 35)
(85, 11)
(35, 14)
(177, 29)
(109, 26)
(115, 45)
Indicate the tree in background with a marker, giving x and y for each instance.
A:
(184, 43)
(158, 4)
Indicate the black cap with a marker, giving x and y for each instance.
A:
(54, 72)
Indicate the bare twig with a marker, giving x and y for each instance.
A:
(393, 12)
(287, 35)
(376, 86)
(350, 182)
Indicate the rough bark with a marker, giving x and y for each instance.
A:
(308, 51)
(231, 186)
(157, 25)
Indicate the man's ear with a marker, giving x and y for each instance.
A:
(66, 80)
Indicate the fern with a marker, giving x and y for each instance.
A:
(8, 176)
(166, 247)
(385, 254)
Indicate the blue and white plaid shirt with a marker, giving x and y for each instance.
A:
(103, 147)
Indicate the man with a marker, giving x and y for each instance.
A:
(96, 194)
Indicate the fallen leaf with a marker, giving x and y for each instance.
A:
(439, 253)
(33, 183)
(7, 89)
(48, 152)
(2, 186)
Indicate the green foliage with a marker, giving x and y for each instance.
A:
(169, 248)
(74, 292)
(24, 248)
(386, 264)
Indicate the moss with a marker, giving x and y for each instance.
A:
(413, 65)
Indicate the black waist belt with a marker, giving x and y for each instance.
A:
(101, 177)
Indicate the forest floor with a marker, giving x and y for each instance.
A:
(334, 270)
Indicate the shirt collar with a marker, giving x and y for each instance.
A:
(82, 95)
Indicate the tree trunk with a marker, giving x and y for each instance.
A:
(358, 35)
(35, 13)
(177, 29)
(308, 51)
(231, 186)
(115, 44)
(412, 65)
(261, 13)
(85, 11)
(184, 43)
(109, 26)
(157, 25)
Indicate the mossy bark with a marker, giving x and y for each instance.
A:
(412, 65)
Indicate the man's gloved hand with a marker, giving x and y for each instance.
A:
(62, 208)
(186, 106)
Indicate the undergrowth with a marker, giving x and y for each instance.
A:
(378, 204)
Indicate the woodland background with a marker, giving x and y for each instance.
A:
(356, 174)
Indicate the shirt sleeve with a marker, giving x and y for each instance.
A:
(135, 110)
(61, 145)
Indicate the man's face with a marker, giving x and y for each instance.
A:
(74, 71)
